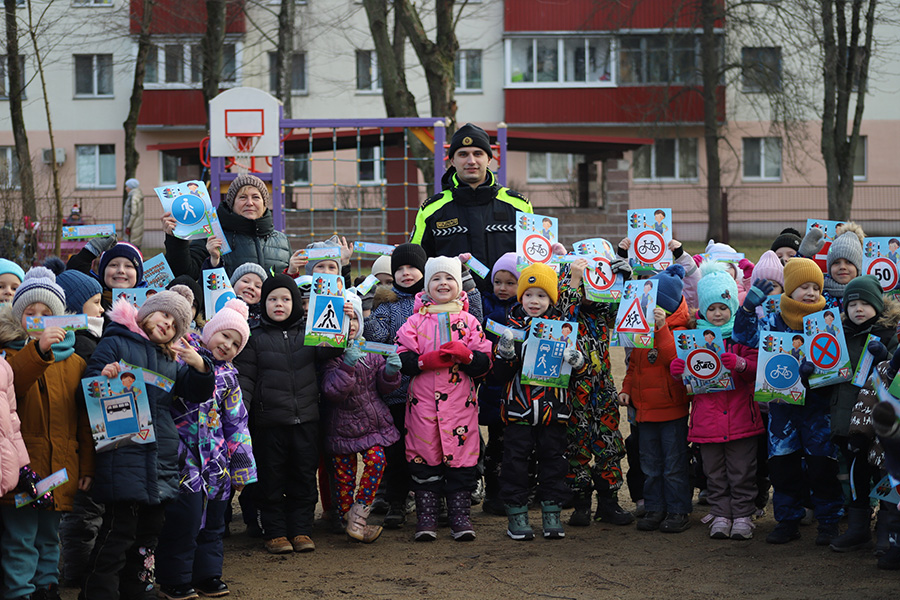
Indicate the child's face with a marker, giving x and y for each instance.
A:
(305, 303)
(120, 273)
(535, 301)
(443, 288)
(37, 309)
(249, 287)
(224, 344)
(829, 318)
(860, 311)
(407, 275)
(384, 278)
(708, 336)
(505, 285)
(9, 283)
(842, 271)
(659, 217)
(797, 343)
(328, 267)
(776, 288)
(279, 303)
(92, 307)
(128, 381)
(808, 293)
(354, 326)
(159, 327)
(784, 253)
(732, 269)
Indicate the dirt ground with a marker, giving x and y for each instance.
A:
(600, 561)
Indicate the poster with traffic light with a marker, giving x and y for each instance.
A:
(881, 258)
(649, 231)
(326, 323)
(701, 350)
(778, 368)
(135, 296)
(190, 205)
(542, 362)
(634, 320)
(600, 283)
(535, 236)
(217, 291)
(829, 229)
(118, 409)
(827, 348)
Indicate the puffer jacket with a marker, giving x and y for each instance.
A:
(358, 418)
(390, 310)
(13, 455)
(655, 396)
(254, 241)
(144, 473)
(490, 393)
(52, 415)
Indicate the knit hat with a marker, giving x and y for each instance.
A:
(248, 267)
(769, 267)
(382, 266)
(79, 288)
(798, 271)
(132, 183)
(846, 246)
(541, 276)
(242, 180)
(331, 242)
(507, 262)
(470, 135)
(714, 247)
(408, 254)
(356, 303)
(669, 288)
(122, 250)
(715, 286)
(788, 238)
(283, 281)
(444, 264)
(8, 266)
(231, 316)
(39, 285)
(198, 301)
(304, 284)
(175, 302)
(865, 288)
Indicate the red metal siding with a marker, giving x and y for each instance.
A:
(626, 105)
(174, 17)
(173, 108)
(593, 15)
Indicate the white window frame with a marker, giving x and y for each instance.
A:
(654, 178)
(462, 59)
(294, 92)
(12, 162)
(95, 72)
(762, 160)
(572, 161)
(378, 178)
(862, 146)
(4, 68)
(162, 171)
(95, 186)
(645, 54)
(299, 157)
(187, 44)
(560, 62)
(90, 3)
(375, 73)
(748, 85)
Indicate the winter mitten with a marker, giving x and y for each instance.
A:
(747, 267)
(573, 357)
(620, 265)
(457, 352)
(434, 360)
(352, 354)
(676, 368)
(812, 243)
(806, 370)
(392, 365)
(28, 481)
(468, 282)
(877, 350)
(98, 246)
(506, 347)
(757, 294)
(733, 362)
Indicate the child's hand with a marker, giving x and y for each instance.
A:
(168, 222)
(214, 247)
(573, 357)
(346, 251)
(465, 257)
(506, 347)
(877, 350)
(812, 243)
(84, 483)
(352, 355)
(757, 294)
(188, 355)
(348, 310)
(392, 365)
(50, 336)
(659, 315)
(747, 267)
(434, 360)
(457, 351)
(620, 265)
(674, 245)
(297, 262)
(576, 272)
(558, 249)
(625, 244)
(806, 370)
(624, 399)
(111, 370)
(733, 362)
(676, 368)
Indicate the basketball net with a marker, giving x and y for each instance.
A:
(243, 146)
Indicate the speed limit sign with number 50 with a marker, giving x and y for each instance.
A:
(885, 271)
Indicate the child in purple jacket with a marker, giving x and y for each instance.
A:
(359, 421)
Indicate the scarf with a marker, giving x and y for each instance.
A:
(452, 307)
(61, 350)
(792, 311)
(95, 326)
(413, 289)
(726, 328)
(833, 288)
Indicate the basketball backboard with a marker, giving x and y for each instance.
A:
(244, 121)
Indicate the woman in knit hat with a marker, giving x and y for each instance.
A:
(246, 218)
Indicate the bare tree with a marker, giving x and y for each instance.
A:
(710, 12)
(284, 55)
(389, 47)
(211, 47)
(17, 116)
(132, 156)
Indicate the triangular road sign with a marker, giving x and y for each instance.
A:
(646, 339)
(664, 264)
(615, 294)
(845, 372)
(633, 321)
(796, 395)
(144, 433)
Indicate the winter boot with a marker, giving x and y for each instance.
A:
(49, 592)
(478, 493)
(426, 512)
(609, 511)
(357, 527)
(858, 535)
(890, 560)
(458, 508)
(550, 522)
(582, 515)
(888, 518)
(826, 533)
(396, 515)
(784, 532)
(380, 506)
(518, 528)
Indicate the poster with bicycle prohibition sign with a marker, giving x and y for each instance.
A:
(650, 231)
(535, 236)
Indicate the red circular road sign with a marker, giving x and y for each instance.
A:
(536, 248)
(600, 276)
(649, 246)
(703, 363)
(824, 351)
(885, 271)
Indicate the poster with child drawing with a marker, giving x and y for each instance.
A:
(778, 368)
(881, 258)
(326, 324)
(827, 348)
(136, 296)
(634, 320)
(650, 231)
(542, 362)
(535, 235)
(191, 207)
(701, 350)
(217, 291)
(118, 409)
(828, 228)
(600, 283)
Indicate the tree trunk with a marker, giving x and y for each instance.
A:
(211, 46)
(398, 100)
(132, 156)
(284, 56)
(709, 59)
(16, 115)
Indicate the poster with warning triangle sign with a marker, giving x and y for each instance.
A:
(634, 320)
(326, 323)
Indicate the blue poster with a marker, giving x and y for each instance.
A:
(542, 363)
(778, 368)
(326, 324)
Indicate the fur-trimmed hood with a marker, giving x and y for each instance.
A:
(124, 313)
(890, 316)
(11, 330)
(852, 227)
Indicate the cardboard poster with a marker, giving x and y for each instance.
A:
(497, 329)
(829, 228)
(217, 290)
(650, 231)
(535, 235)
(771, 305)
(600, 283)
(326, 324)
(634, 320)
(376, 347)
(866, 362)
(47, 484)
(86, 232)
(136, 296)
(881, 258)
(118, 410)
(885, 491)
(67, 322)
(373, 248)
(701, 350)
(189, 203)
(157, 272)
(826, 348)
(778, 368)
(543, 363)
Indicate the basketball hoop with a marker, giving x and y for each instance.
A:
(243, 158)
(244, 128)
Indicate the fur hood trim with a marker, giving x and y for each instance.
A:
(11, 330)
(890, 316)
(853, 227)
(384, 294)
(124, 313)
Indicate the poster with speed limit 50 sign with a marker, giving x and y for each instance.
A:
(881, 258)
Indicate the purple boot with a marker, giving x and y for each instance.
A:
(426, 512)
(458, 507)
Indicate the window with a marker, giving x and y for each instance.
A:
(860, 159)
(169, 164)
(576, 61)
(666, 159)
(93, 75)
(658, 59)
(760, 69)
(467, 71)
(546, 167)
(95, 166)
(4, 76)
(762, 159)
(9, 168)
(296, 169)
(179, 64)
(297, 74)
(370, 166)
(92, 2)
(368, 76)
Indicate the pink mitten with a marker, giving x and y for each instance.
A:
(457, 352)
(733, 362)
(747, 267)
(434, 360)
(676, 368)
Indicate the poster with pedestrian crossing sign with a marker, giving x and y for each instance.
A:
(634, 320)
(881, 258)
(326, 324)
(650, 231)
(535, 235)
(829, 228)
(191, 207)
(118, 409)
(827, 348)
(217, 291)
(542, 363)
(701, 351)
(600, 283)
(778, 368)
